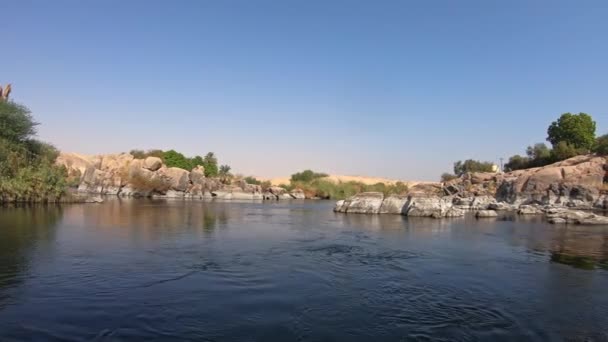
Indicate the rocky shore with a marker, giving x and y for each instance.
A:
(126, 176)
(565, 192)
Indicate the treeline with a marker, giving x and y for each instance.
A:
(570, 135)
(27, 166)
(316, 184)
(173, 158)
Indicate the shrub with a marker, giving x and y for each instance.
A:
(27, 170)
(252, 180)
(446, 177)
(307, 176)
(470, 165)
(601, 145)
(564, 150)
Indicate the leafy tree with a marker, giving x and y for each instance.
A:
(539, 155)
(27, 166)
(16, 122)
(175, 159)
(576, 130)
(601, 146)
(517, 162)
(196, 161)
(210, 164)
(470, 165)
(307, 176)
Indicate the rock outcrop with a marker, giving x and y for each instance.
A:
(575, 183)
(376, 203)
(125, 176)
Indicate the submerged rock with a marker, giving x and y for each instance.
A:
(560, 215)
(486, 213)
(529, 210)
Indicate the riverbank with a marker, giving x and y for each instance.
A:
(563, 191)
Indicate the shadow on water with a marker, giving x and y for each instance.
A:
(23, 229)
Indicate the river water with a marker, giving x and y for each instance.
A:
(212, 271)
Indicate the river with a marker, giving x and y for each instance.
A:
(212, 271)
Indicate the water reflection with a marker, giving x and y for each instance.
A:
(24, 229)
(144, 269)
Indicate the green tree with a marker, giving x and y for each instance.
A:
(539, 155)
(470, 165)
(601, 146)
(576, 130)
(517, 162)
(27, 166)
(196, 161)
(175, 159)
(307, 176)
(210, 164)
(16, 122)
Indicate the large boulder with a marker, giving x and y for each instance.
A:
(75, 162)
(178, 178)
(530, 210)
(114, 162)
(339, 205)
(364, 203)
(393, 204)
(298, 194)
(197, 175)
(152, 163)
(277, 190)
(436, 207)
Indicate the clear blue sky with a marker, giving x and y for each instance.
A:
(384, 88)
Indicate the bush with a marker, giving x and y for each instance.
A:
(601, 145)
(563, 151)
(27, 170)
(446, 177)
(252, 180)
(306, 176)
(470, 165)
